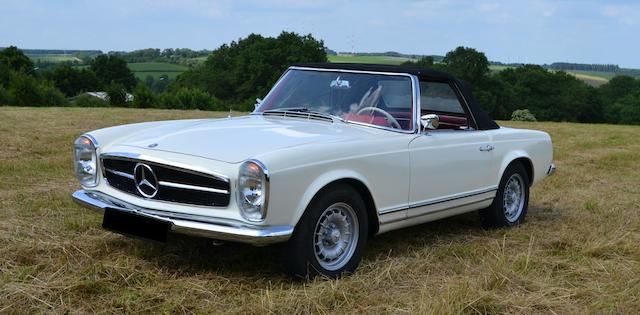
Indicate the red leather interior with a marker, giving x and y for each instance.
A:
(405, 120)
(453, 120)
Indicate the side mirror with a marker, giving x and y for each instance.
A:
(258, 102)
(430, 121)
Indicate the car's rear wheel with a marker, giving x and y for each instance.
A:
(330, 237)
(509, 207)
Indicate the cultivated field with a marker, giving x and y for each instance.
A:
(54, 58)
(577, 253)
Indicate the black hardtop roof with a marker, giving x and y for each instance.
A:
(421, 72)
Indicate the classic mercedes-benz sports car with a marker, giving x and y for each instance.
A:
(334, 154)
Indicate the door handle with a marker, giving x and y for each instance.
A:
(486, 148)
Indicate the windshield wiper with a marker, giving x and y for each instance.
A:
(302, 109)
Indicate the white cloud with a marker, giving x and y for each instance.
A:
(626, 14)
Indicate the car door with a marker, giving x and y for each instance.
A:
(452, 165)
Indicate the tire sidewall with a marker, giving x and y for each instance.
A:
(300, 252)
(514, 168)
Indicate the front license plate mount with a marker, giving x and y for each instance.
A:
(135, 225)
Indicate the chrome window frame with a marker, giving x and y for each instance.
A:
(415, 128)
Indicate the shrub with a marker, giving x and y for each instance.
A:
(51, 96)
(117, 94)
(522, 115)
(143, 97)
(25, 90)
(71, 81)
(5, 97)
(167, 100)
(627, 110)
(196, 99)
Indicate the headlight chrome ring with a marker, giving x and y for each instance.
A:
(253, 190)
(86, 160)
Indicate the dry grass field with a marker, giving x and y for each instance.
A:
(577, 253)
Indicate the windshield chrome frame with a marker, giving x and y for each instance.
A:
(414, 97)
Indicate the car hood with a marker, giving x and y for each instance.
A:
(237, 139)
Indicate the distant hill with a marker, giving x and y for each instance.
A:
(172, 62)
(592, 74)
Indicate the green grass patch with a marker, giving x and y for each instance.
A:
(54, 58)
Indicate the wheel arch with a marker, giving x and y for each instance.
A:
(351, 179)
(518, 157)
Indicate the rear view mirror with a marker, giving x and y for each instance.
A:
(258, 103)
(430, 121)
(339, 84)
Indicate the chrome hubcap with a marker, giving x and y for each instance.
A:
(513, 197)
(335, 236)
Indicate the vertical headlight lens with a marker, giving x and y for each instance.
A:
(86, 161)
(253, 190)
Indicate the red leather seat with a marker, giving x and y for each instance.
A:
(453, 120)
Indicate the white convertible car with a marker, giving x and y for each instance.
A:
(334, 154)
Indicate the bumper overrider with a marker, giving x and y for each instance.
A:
(551, 169)
(218, 229)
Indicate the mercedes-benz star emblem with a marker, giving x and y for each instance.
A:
(145, 180)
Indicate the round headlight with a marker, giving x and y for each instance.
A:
(253, 190)
(86, 161)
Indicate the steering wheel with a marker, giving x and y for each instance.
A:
(392, 121)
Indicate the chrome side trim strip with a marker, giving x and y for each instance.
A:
(452, 198)
(191, 187)
(440, 210)
(438, 200)
(220, 229)
(392, 209)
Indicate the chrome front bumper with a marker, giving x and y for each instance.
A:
(225, 230)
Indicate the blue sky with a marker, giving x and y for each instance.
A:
(541, 31)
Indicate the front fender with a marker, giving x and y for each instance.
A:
(322, 181)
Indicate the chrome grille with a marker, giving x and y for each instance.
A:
(173, 184)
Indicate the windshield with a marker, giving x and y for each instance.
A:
(376, 99)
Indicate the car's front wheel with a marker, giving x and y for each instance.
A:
(330, 237)
(509, 207)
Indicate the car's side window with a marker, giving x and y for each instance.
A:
(440, 98)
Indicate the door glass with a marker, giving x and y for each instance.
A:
(436, 97)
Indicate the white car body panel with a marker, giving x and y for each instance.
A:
(411, 177)
(391, 165)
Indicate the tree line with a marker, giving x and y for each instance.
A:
(183, 56)
(583, 67)
(230, 78)
(548, 95)
(235, 74)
